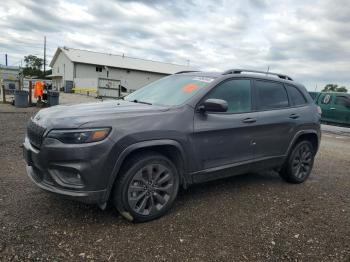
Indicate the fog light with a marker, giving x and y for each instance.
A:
(67, 177)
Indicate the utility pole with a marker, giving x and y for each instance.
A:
(6, 59)
(44, 56)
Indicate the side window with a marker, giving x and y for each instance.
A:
(237, 94)
(325, 99)
(296, 97)
(342, 100)
(271, 95)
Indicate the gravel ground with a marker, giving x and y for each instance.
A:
(253, 217)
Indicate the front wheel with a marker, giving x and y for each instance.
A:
(147, 187)
(299, 163)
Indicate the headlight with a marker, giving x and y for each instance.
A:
(76, 136)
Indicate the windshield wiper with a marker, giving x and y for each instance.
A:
(141, 102)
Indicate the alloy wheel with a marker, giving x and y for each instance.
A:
(150, 189)
(302, 161)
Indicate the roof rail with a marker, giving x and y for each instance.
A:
(239, 71)
(183, 72)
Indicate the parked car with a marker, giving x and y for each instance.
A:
(186, 128)
(335, 107)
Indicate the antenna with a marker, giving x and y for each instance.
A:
(268, 69)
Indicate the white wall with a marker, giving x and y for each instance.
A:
(64, 67)
(130, 79)
(86, 83)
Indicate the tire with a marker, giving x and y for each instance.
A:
(299, 163)
(146, 188)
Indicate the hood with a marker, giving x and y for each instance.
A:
(73, 116)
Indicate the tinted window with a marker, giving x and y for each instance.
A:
(271, 95)
(295, 96)
(342, 100)
(325, 99)
(313, 95)
(237, 94)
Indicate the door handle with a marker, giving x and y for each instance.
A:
(249, 120)
(294, 116)
(332, 108)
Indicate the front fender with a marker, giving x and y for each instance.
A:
(141, 145)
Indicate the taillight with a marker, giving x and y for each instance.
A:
(319, 110)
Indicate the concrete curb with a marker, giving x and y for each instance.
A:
(337, 130)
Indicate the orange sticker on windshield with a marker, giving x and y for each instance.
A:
(189, 88)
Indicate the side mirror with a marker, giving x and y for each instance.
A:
(213, 105)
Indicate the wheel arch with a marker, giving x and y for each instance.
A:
(169, 148)
(309, 135)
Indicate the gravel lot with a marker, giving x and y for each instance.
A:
(253, 217)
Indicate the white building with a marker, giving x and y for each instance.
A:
(84, 68)
(9, 76)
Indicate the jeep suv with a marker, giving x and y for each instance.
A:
(186, 128)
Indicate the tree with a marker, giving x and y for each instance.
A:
(342, 89)
(33, 61)
(334, 88)
(33, 66)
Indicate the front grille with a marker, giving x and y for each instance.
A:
(35, 133)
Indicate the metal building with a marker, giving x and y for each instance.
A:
(9, 76)
(82, 69)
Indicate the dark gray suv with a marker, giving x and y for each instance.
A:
(186, 128)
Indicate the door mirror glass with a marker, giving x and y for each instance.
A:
(214, 105)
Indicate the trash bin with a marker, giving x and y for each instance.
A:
(53, 98)
(21, 98)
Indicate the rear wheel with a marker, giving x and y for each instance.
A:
(299, 163)
(147, 187)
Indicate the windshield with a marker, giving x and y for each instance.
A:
(170, 91)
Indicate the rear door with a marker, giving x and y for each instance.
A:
(225, 138)
(325, 101)
(276, 122)
(340, 109)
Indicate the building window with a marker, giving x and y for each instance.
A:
(98, 68)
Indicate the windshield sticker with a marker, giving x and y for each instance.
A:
(203, 79)
(189, 88)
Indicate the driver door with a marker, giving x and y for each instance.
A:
(226, 139)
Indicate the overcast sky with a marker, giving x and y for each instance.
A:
(308, 40)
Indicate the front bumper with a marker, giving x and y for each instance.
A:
(76, 171)
(92, 197)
